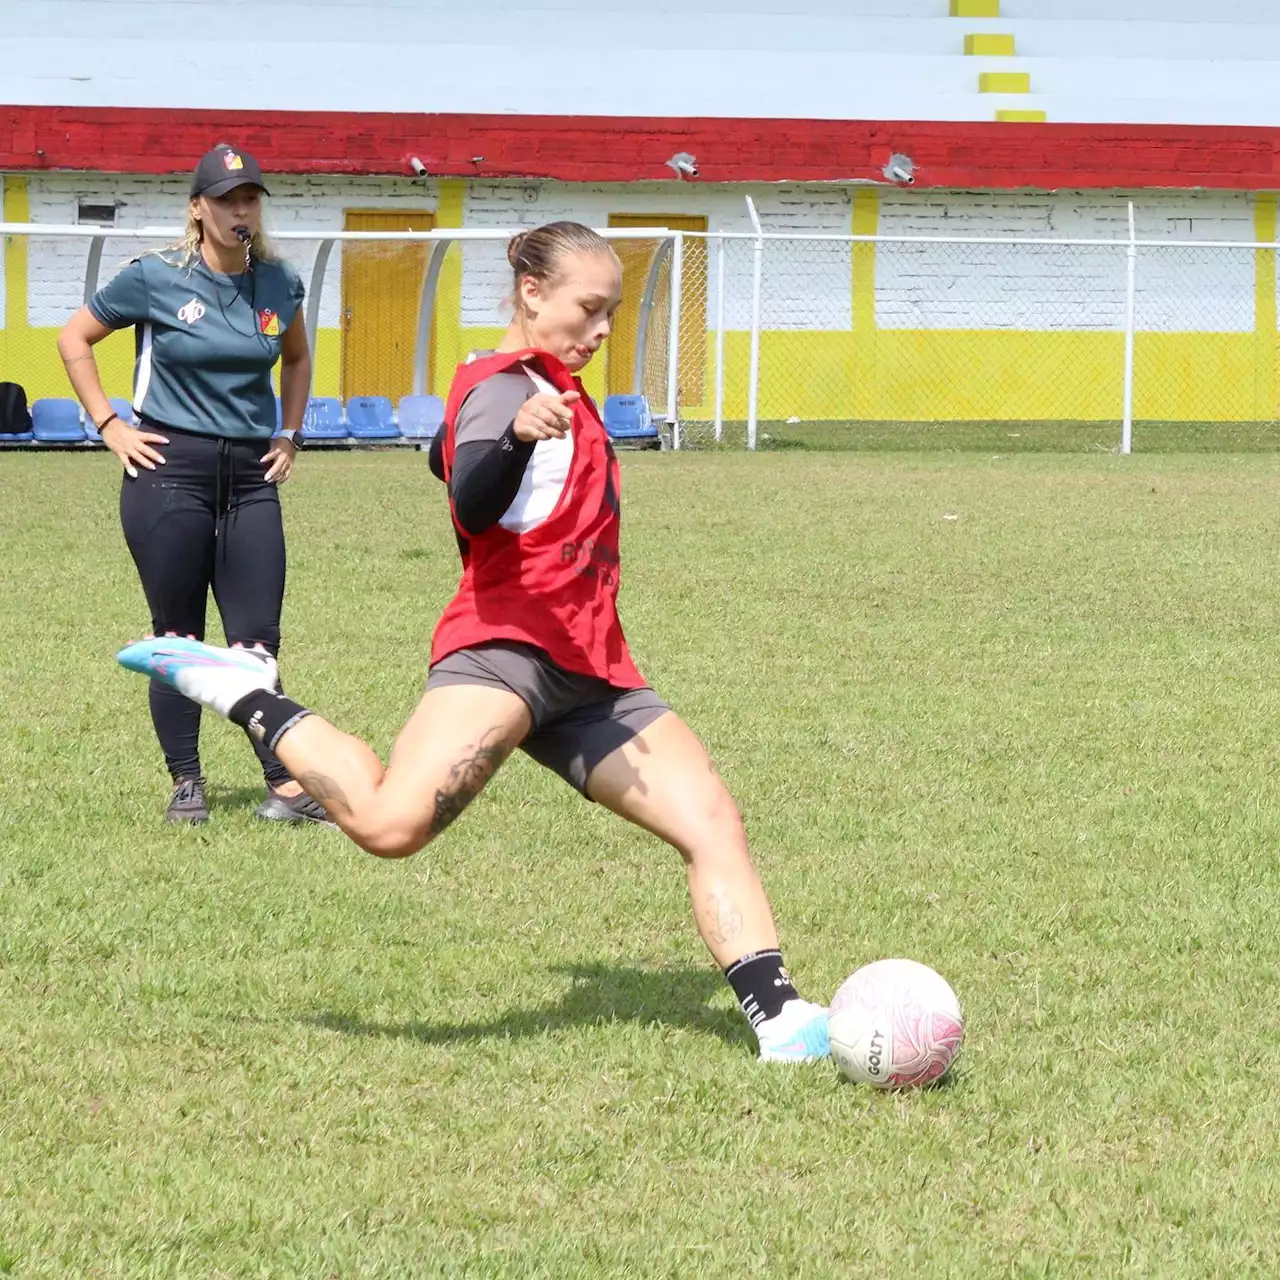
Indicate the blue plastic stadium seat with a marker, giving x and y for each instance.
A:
(370, 418)
(56, 422)
(627, 418)
(421, 417)
(323, 419)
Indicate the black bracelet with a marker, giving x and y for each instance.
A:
(115, 417)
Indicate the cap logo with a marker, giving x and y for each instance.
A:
(231, 161)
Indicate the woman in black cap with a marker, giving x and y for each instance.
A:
(199, 502)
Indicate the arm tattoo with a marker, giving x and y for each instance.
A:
(468, 776)
(724, 919)
(324, 791)
(68, 360)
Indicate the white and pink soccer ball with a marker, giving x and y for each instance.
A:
(895, 1024)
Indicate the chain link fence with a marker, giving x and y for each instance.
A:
(1205, 348)
(387, 314)
(713, 356)
(1000, 345)
(776, 341)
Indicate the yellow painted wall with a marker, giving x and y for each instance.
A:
(902, 375)
(977, 375)
(16, 208)
(326, 373)
(30, 355)
(448, 349)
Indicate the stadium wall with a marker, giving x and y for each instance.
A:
(947, 154)
(864, 314)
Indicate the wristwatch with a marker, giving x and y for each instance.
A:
(294, 438)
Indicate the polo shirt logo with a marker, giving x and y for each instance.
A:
(191, 311)
(269, 323)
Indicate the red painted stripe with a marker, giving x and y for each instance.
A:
(613, 149)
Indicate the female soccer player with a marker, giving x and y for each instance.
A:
(530, 652)
(198, 500)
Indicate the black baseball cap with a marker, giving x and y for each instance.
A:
(224, 169)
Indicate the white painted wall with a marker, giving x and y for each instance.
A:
(803, 292)
(1090, 60)
(950, 286)
(807, 285)
(57, 265)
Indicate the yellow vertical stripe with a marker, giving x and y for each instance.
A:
(1266, 360)
(866, 222)
(17, 208)
(450, 211)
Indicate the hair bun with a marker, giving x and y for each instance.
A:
(514, 245)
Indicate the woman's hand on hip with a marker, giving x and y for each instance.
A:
(133, 447)
(278, 460)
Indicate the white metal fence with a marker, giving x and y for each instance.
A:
(764, 340)
(971, 342)
(388, 313)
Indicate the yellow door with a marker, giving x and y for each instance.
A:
(381, 289)
(636, 256)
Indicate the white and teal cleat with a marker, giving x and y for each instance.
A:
(216, 678)
(797, 1034)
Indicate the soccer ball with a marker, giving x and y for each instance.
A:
(895, 1024)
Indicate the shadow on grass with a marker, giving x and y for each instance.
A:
(222, 797)
(953, 1079)
(675, 997)
(227, 800)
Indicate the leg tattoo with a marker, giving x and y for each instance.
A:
(467, 778)
(324, 791)
(724, 920)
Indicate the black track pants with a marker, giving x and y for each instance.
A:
(207, 518)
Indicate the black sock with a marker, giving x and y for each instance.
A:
(761, 984)
(266, 715)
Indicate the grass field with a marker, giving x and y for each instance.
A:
(1000, 437)
(1015, 717)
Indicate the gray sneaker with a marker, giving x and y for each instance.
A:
(187, 804)
(299, 808)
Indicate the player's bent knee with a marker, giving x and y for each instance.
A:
(398, 827)
(391, 840)
(712, 826)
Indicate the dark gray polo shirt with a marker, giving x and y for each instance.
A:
(206, 342)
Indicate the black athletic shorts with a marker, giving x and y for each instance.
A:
(577, 720)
